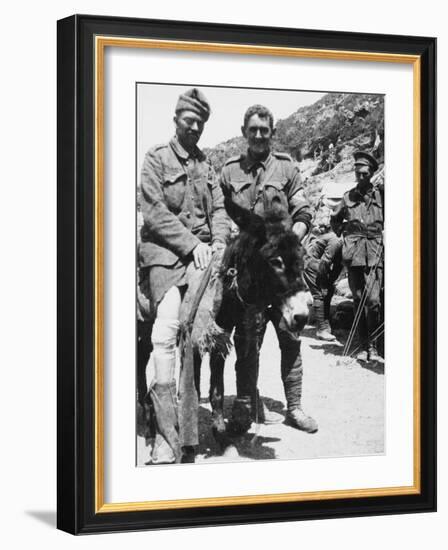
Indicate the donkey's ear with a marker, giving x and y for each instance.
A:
(257, 228)
(277, 218)
(245, 220)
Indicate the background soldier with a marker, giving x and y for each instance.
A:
(360, 219)
(184, 223)
(255, 182)
(323, 266)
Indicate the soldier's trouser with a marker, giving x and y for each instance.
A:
(358, 279)
(249, 333)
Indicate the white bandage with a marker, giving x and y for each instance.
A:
(164, 338)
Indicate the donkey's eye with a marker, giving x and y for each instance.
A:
(277, 263)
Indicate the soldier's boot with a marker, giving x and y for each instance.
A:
(295, 416)
(241, 416)
(166, 449)
(373, 353)
(323, 331)
(372, 323)
(301, 421)
(363, 338)
(362, 356)
(188, 455)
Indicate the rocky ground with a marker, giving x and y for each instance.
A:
(345, 397)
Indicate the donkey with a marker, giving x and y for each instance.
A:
(262, 266)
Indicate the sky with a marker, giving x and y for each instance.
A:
(156, 103)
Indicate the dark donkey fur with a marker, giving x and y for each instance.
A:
(261, 266)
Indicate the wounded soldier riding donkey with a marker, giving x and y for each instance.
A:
(184, 224)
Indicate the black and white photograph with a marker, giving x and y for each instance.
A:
(259, 274)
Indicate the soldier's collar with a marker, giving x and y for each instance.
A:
(250, 161)
(182, 153)
(354, 195)
(368, 191)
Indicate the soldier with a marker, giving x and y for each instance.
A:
(323, 266)
(254, 182)
(184, 223)
(360, 219)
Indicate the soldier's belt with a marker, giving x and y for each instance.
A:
(358, 229)
(365, 234)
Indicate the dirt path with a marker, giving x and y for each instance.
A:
(346, 399)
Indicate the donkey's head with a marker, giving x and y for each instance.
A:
(270, 266)
(284, 258)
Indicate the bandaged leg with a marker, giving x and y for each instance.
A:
(163, 390)
(164, 339)
(166, 447)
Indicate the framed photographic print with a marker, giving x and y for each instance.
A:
(246, 332)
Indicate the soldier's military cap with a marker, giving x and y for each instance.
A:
(194, 100)
(365, 159)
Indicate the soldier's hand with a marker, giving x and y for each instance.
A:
(202, 255)
(300, 229)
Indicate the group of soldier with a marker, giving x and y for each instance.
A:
(186, 211)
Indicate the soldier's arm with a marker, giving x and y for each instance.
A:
(164, 227)
(338, 217)
(330, 264)
(333, 245)
(220, 222)
(299, 208)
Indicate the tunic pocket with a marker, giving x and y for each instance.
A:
(241, 192)
(239, 186)
(275, 193)
(174, 190)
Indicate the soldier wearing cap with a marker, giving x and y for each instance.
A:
(184, 223)
(360, 219)
(254, 182)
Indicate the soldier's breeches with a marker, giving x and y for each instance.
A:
(248, 338)
(246, 365)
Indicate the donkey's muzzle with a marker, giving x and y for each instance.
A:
(299, 322)
(295, 310)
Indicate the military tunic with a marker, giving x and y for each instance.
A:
(182, 205)
(360, 219)
(256, 185)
